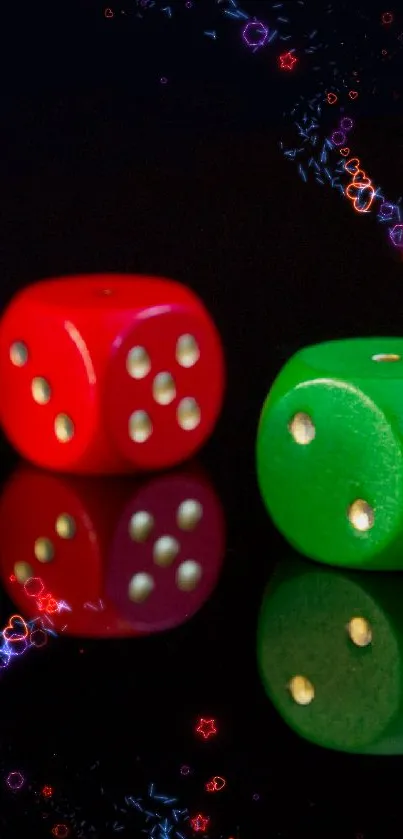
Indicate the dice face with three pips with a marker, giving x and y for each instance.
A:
(109, 374)
(330, 452)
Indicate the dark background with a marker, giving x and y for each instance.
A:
(104, 169)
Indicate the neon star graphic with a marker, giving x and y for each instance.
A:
(287, 61)
(206, 728)
(199, 823)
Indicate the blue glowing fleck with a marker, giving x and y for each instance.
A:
(238, 15)
(302, 173)
(134, 802)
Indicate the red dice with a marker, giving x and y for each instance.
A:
(109, 374)
(107, 557)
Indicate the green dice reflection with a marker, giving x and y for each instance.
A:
(330, 655)
(330, 452)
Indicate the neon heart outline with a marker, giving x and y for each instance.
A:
(356, 167)
(364, 180)
(13, 638)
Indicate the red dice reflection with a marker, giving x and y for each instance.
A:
(110, 557)
(109, 374)
(166, 553)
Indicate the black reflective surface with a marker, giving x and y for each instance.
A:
(103, 171)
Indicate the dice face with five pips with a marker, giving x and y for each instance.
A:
(109, 374)
(330, 452)
(167, 552)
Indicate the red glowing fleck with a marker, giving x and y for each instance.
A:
(12, 578)
(216, 784)
(331, 98)
(47, 603)
(387, 18)
(199, 823)
(287, 61)
(108, 13)
(206, 728)
(60, 830)
(52, 606)
(41, 603)
(47, 791)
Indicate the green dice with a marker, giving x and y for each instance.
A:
(330, 656)
(330, 453)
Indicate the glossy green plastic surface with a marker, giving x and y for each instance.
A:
(356, 455)
(303, 631)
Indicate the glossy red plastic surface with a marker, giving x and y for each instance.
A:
(76, 333)
(31, 504)
(178, 582)
(82, 588)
